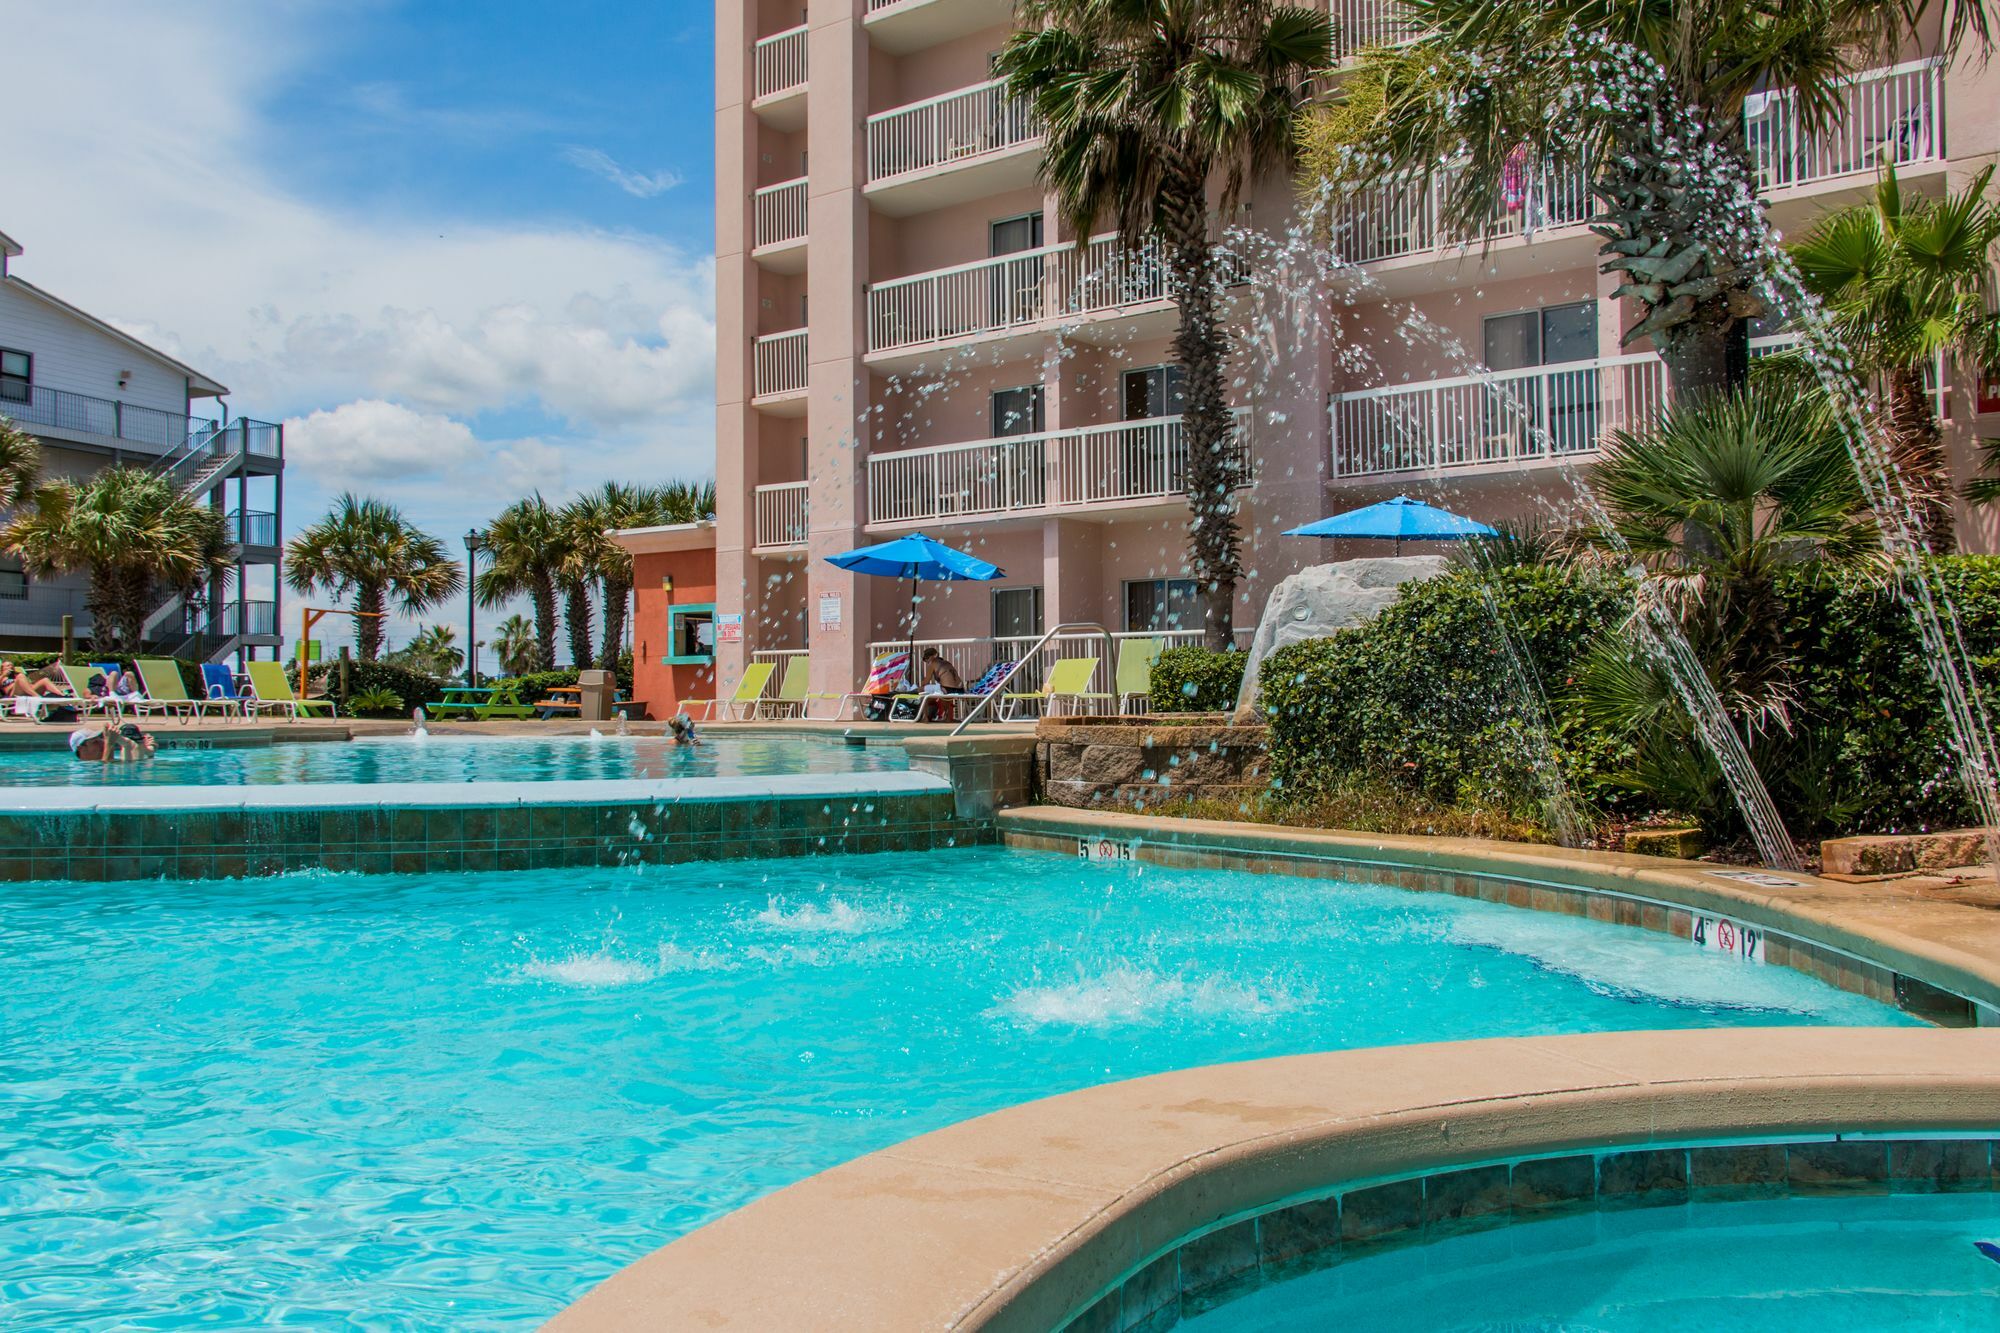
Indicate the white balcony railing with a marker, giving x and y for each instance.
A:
(779, 213)
(781, 62)
(1894, 115)
(1018, 291)
(1364, 23)
(947, 130)
(1399, 217)
(781, 515)
(780, 364)
(1073, 469)
(973, 656)
(1541, 413)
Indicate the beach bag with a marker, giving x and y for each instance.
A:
(886, 676)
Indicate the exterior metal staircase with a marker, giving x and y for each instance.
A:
(211, 457)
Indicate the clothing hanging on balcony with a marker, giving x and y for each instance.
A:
(1514, 179)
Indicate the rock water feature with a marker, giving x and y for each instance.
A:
(1322, 599)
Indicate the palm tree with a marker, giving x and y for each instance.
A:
(1713, 501)
(1145, 104)
(524, 550)
(1904, 280)
(518, 645)
(366, 549)
(135, 536)
(1496, 87)
(581, 551)
(433, 651)
(20, 465)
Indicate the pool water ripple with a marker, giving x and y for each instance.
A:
(462, 1100)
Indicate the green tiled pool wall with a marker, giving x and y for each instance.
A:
(1832, 966)
(233, 843)
(1232, 1260)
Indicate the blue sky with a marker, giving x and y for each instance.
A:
(462, 249)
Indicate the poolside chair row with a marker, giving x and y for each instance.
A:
(1065, 689)
(163, 691)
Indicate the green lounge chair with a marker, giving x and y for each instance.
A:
(1068, 685)
(167, 693)
(748, 691)
(795, 694)
(1135, 671)
(272, 690)
(78, 679)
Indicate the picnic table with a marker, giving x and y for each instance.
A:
(562, 701)
(481, 703)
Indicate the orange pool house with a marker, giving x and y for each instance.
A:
(674, 625)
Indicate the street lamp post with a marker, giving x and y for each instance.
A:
(473, 541)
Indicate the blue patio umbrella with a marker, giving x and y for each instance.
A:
(1399, 520)
(919, 559)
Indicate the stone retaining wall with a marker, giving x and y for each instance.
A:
(1145, 762)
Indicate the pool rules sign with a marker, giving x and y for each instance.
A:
(1721, 935)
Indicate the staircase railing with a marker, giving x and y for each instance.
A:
(1072, 628)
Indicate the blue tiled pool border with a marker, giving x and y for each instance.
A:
(93, 834)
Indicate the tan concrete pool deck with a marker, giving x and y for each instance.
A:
(25, 735)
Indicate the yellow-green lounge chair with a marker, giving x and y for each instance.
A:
(1068, 686)
(166, 692)
(78, 679)
(748, 691)
(1135, 672)
(272, 690)
(795, 694)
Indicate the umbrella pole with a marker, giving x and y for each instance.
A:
(912, 668)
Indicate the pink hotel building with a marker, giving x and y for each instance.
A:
(908, 341)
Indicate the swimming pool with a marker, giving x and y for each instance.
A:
(1837, 1265)
(460, 1100)
(455, 759)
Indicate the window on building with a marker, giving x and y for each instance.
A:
(691, 634)
(1017, 613)
(1550, 336)
(1015, 287)
(1017, 411)
(13, 579)
(1152, 605)
(1012, 236)
(17, 376)
(1156, 391)
(1149, 461)
(1528, 415)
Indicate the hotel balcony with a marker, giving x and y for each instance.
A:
(902, 26)
(1359, 24)
(1013, 297)
(780, 518)
(778, 226)
(1401, 220)
(778, 90)
(778, 373)
(106, 422)
(1544, 414)
(1891, 115)
(1110, 469)
(947, 150)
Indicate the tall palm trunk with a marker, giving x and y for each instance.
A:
(1201, 345)
(368, 598)
(1917, 447)
(577, 619)
(544, 598)
(616, 589)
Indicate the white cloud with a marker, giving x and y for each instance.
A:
(145, 200)
(640, 185)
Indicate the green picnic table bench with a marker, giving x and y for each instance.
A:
(481, 704)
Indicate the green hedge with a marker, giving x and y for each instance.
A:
(1196, 680)
(416, 689)
(1424, 697)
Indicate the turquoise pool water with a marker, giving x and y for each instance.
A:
(459, 1101)
(452, 759)
(1850, 1265)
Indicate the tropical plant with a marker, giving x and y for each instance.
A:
(1714, 501)
(1906, 279)
(1646, 99)
(376, 701)
(365, 549)
(433, 651)
(517, 646)
(523, 549)
(135, 536)
(20, 464)
(582, 550)
(619, 507)
(1145, 105)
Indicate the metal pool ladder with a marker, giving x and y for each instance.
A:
(1067, 627)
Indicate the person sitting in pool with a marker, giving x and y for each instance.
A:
(111, 743)
(681, 729)
(19, 684)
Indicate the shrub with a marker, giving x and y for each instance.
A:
(414, 688)
(1426, 697)
(1196, 680)
(376, 702)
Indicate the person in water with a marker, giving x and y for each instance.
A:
(681, 729)
(112, 743)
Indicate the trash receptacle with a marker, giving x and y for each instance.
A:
(597, 690)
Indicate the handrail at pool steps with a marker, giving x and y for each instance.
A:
(999, 690)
